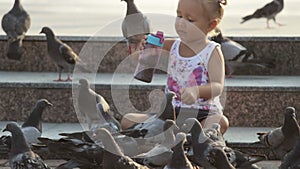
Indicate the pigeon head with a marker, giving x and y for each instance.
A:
(11, 127)
(171, 123)
(180, 138)
(46, 30)
(43, 103)
(218, 37)
(290, 111)
(191, 124)
(84, 83)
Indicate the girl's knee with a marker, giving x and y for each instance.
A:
(224, 123)
(130, 119)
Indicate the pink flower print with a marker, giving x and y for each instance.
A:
(173, 86)
(197, 75)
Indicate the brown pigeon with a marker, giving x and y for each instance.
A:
(15, 24)
(61, 54)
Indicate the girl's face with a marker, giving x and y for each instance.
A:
(192, 23)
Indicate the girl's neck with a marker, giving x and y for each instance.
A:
(190, 49)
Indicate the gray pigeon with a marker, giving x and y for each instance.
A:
(134, 26)
(219, 159)
(61, 54)
(32, 127)
(215, 134)
(281, 140)
(113, 157)
(87, 103)
(15, 24)
(201, 144)
(236, 55)
(161, 153)
(269, 11)
(21, 156)
(152, 128)
(292, 159)
(179, 160)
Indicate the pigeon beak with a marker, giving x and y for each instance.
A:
(50, 104)
(4, 130)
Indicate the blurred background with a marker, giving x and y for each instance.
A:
(79, 17)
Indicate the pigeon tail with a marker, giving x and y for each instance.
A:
(246, 18)
(15, 50)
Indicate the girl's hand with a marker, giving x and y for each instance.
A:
(142, 43)
(189, 95)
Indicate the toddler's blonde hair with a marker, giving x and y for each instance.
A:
(214, 8)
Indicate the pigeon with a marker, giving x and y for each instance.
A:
(215, 134)
(269, 11)
(134, 26)
(84, 136)
(161, 153)
(15, 24)
(152, 128)
(87, 104)
(281, 140)
(242, 160)
(113, 157)
(61, 54)
(21, 156)
(219, 159)
(32, 127)
(76, 152)
(236, 55)
(179, 160)
(292, 159)
(111, 120)
(201, 144)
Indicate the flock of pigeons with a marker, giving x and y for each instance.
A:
(156, 143)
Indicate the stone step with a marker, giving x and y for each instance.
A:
(106, 54)
(249, 101)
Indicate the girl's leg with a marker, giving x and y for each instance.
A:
(130, 119)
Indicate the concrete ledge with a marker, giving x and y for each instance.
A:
(282, 51)
(249, 101)
(122, 81)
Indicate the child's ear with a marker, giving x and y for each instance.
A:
(212, 25)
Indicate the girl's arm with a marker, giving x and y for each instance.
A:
(168, 44)
(216, 73)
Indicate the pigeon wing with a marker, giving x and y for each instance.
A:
(268, 10)
(68, 54)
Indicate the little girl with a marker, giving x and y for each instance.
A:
(196, 65)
